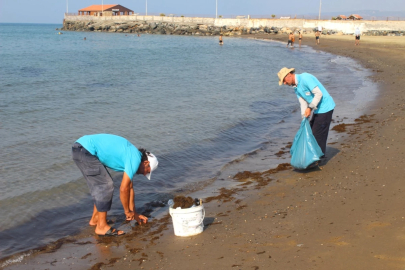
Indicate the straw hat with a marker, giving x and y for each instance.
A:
(284, 72)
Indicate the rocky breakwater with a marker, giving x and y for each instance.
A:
(163, 28)
(166, 28)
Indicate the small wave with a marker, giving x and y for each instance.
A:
(16, 260)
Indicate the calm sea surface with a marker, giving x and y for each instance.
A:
(196, 105)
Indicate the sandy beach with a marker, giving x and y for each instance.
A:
(346, 214)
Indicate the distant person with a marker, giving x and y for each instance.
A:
(357, 36)
(299, 37)
(221, 42)
(92, 154)
(84, 38)
(293, 38)
(313, 97)
(290, 39)
(139, 35)
(317, 36)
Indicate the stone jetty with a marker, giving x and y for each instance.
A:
(227, 27)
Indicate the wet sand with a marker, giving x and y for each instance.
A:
(346, 214)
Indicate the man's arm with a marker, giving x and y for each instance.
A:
(127, 196)
(304, 106)
(307, 109)
(131, 198)
(317, 98)
(125, 189)
(139, 218)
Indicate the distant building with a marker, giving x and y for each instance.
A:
(341, 17)
(105, 10)
(355, 17)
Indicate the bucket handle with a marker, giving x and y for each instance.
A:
(203, 216)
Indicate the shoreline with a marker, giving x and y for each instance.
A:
(301, 219)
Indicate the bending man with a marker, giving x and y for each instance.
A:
(92, 154)
(312, 97)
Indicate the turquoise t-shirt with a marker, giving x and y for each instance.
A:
(307, 83)
(114, 152)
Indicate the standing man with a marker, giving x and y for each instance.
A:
(357, 37)
(290, 39)
(317, 36)
(312, 97)
(92, 154)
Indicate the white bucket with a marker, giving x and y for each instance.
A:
(189, 221)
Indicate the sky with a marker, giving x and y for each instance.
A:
(52, 11)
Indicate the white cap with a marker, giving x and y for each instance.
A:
(153, 163)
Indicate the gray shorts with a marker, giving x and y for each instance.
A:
(98, 178)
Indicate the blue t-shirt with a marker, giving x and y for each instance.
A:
(114, 152)
(307, 83)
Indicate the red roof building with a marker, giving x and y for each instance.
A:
(107, 10)
(355, 17)
(341, 17)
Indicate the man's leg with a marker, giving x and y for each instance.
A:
(78, 156)
(100, 184)
(94, 218)
(320, 124)
(101, 221)
(102, 226)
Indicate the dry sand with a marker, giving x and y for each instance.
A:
(347, 214)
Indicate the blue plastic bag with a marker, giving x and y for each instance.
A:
(305, 150)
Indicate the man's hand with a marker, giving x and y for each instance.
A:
(307, 112)
(140, 219)
(130, 215)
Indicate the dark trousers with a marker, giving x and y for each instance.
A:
(97, 177)
(320, 124)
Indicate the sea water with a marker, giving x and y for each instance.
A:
(196, 105)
